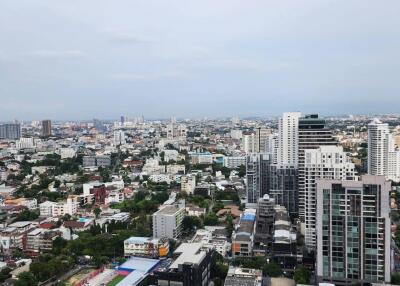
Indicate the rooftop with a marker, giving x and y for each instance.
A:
(189, 253)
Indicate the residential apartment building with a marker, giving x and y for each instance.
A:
(353, 229)
(312, 134)
(283, 187)
(167, 221)
(10, 131)
(326, 162)
(57, 209)
(46, 127)
(188, 184)
(265, 219)
(383, 156)
(234, 162)
(257, 170)
(261, 139)
(288, 138)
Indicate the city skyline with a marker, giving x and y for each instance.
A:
(197, 59)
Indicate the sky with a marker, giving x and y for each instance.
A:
(84, 59)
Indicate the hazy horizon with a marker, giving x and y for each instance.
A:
(78, 60)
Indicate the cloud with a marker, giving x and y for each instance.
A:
(128, 37)
(56, 54)
(132, 77)
(244, 65)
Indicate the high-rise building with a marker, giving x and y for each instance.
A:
(167, 221)
(383, 156)
(257, 169)
(283, 187)
(353, 229)
(46, 127)
(119, 137)
(11, 131)
(176, 131)
(312, 134)
(272, 146)
(378, 147)
(188, 184)
(326, 162)
(249, 143)
(288, 138)
(261, 139)
(25, 143)
(265, 219)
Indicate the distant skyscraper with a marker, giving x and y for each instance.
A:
(288, 138)
(248, 143)
(176, 131)
(99, 125)
(257, 176)
(353, 229)
(261, 139)
(46, 127)
(119, 137)
(326, 162)
(122, 119)
(383, 156)
(272, 146)
(11, 131)
(378, 147)
(312, 134)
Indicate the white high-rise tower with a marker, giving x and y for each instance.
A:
(288, 138)
(383, 158)
(378, 147)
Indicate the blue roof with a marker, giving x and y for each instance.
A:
(248, 216)
(139, 263)
(140, 267)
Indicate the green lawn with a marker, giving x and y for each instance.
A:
(116, 280)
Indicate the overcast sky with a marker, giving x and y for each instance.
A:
(81, 59)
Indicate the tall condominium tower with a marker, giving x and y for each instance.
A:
(353, 229)
(46, 127)
(272, 146)
(288, 138)
(119, 137)
(383, 155)
(261, 139)
(378, 147)
(283, 187)
(326, 162)
(312, 134)
(257, 176)
(11, 131)
(249, 143)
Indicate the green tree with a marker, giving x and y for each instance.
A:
(190, 223)
(210, 219)
(242, 171)
(26, 279)
(97, 212)
(301, 275)
(58, 245)
(272, 270)
(27, 215)
(5, 274)
(396, 278)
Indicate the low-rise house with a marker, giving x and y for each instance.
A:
(146, 246)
